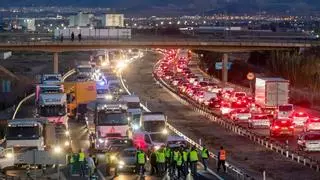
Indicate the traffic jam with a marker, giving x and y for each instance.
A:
(118, 127)
(268, 112)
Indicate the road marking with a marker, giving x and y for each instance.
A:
(101, 175)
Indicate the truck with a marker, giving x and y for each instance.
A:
(111, 122)
(79, 94)
(271, 94)
(53, 106)
(153, 122)
(133, 104)
(23, 135)
(85, 70)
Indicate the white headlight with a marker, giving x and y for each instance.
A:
(67, 143)
(164, 131)
(101, 140)
(156, 147)
(135, 127)
(57, 149)
(9, 155)
(67, 133)
(121, 163)
(108, 96)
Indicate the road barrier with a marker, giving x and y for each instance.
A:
(280, 148)
(65, 76)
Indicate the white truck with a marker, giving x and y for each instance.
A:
(272, 95)
(153, 122)
(53, 106)
(23, 135)
(133, 104)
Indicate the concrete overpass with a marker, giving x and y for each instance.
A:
(220, 45)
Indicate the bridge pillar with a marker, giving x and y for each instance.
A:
(225, 68)
(55, 62)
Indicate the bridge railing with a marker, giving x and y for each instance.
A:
(156, 38)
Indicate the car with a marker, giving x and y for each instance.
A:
(312, 124)
(299, 118)
(240, 115)
(309, 141)
(227, 107)
(235, 96)
(259, 120)
(127, 160)
(214, 103)
(174, 141)
(283, 126)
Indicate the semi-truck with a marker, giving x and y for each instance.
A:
(27, 134)
(111, 122)
(79, 94)
(51, 79)
(272, 95)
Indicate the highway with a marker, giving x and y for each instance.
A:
(290, 141)
(140, 81)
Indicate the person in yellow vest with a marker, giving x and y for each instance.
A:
(70, 160)
(185, 155)
(174, 160)
(167, 152)
(222, 159)
(193, 157)
(141, 160)
(179, 162)
(161, 160)
(82, 163)
(108, 162)
(205, 157)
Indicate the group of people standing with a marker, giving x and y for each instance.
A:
(177, 160)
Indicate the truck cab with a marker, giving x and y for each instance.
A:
(133, 104)
(85, 70)
(111, 122)
(153, 122)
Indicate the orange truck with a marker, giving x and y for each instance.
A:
(79, 94)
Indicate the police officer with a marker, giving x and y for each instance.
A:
(193, 157)
(153, 162)
(141, 161)
(161, 160)
(70, 160)
(167, 152)
(82, 163)
(179, 163)
(221, 159)
(108, 162)
(185, 154)
(205, 157)
(174, 160)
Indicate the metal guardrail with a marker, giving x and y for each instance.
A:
(69, 73)
(262, 140)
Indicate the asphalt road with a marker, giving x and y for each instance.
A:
(241, 151)
(291, 140)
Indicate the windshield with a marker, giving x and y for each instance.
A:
(52, 110)
(260, 117)
(85, 69)
(300, 115)
(114, 86)
(243, 111)
(51, 78)
(102, 91)
(158, 138)
(238, 105)
(285, 108)
(240, 94)
(133, 105)
(128, 153)
(112, 118)
(154, 126)
(312, 137)
(50, 90)
(14, 133)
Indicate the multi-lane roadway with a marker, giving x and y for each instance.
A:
(241, 151)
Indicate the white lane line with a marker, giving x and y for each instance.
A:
(101, 175)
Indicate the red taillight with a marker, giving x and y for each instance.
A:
(276, 127)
